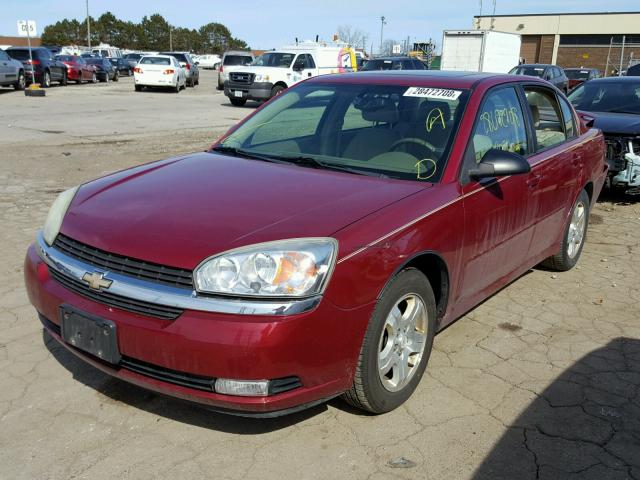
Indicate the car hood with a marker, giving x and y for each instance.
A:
(263, 70)
(179, 211)
(616, 123)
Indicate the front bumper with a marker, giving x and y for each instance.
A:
(254, 91)
(319, 347)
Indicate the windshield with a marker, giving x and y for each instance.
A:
(607, 96)
(577, 74)
(528, 70)
(279, 60)
(237, 60)
(382, 130)
(380, 65)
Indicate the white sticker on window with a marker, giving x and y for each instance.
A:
(426, 92)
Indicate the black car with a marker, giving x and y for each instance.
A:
(133, 59)
(122, 65)
(551, 73)
(614, 104)
(634, 71)
(104, 70)
(393, 63)
(45, 68)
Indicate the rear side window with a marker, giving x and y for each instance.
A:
(500, 124)
(567, 116)
(547, 117)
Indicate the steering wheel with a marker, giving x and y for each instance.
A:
(417, 141)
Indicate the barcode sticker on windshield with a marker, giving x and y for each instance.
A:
(441, 93)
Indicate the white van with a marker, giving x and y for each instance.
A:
(276, 70)
(107, 51)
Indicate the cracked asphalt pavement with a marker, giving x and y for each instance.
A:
(540, 381)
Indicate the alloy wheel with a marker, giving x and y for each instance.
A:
(575, 235)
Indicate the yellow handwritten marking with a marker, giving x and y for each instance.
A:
(424, 176)
(435, 116)
(500, 118)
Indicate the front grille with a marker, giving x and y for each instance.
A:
(241, 77)
(152, 272)
(167, 375)
(117, 301)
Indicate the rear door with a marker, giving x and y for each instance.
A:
(555, 164)
(5, 67)
(498, 219)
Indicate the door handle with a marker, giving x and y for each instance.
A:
(533, 180)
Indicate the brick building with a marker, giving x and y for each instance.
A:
(18, 41)
(600, 40)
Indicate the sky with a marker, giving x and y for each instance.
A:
(270, 24)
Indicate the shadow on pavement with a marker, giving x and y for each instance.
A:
(113, 390)
(585, 425)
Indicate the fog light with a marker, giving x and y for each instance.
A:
(245, 388)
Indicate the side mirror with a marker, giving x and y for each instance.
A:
(500, 163)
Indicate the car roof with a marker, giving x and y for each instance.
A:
(399, 57)
(537, 65)
(580, 68)
(158, 55)
(239, 52)
(624, 78)
(432, 78)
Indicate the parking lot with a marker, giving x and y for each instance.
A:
(540, 381)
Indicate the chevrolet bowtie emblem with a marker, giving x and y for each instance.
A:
(96, 280)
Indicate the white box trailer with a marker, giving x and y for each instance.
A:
(480, 51)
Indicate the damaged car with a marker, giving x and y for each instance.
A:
(613, 105)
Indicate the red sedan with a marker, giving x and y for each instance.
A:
(77, 69)
(316, 249)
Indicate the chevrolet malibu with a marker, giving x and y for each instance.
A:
(316, 248)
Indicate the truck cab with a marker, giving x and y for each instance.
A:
(276, 70)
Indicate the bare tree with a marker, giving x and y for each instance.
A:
(353, 36)
(387, 46)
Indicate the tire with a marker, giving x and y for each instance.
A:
(116, 76)
(238, 102)
(379, 389)
(277, 90)
(177, 87)
(138, 88)
(190, 83)
(65, 80)
(94, 78)
(46, 79)
(22, 81)
(79, 80)
(575, 234)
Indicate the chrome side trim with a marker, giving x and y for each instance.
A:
(142, 290)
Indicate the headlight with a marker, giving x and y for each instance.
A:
(56, 214)
(261, 78)
(287, 268)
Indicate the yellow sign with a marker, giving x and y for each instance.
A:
(585, 55)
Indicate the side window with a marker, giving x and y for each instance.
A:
(546, 115)
(407, 64)
(310, 62)
(569, 121)
(500, 124)
(3, 55)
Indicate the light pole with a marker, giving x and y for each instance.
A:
(88, 27)
(383, 22)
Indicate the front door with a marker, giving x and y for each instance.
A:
(498, 220)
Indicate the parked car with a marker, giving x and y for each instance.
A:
(578, 75)
(159, 71)
(189, 65)
(390, 204)
(634, 71)
(45, 68)
(104, 69)
(209, 61)
(393, 63)
(11, 72)
(133, 59)
(550, 73)
(613, 104)
(122, 66)
(232, 60)
(78, 69)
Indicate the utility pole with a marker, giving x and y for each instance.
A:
(624, 37)
(382, 24)
(88, 27)
(170, 39)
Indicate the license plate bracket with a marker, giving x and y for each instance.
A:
(94, 335)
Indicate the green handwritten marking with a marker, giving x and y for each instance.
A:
(435, 116)
(423, 175)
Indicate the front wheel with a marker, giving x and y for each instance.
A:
(46, 79)
(138, 88)
(116, 76)
(238, 102)
(396, 345)
(575, 234)
(277, 90)
(94, 78)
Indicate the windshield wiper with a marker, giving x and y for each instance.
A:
(306, 161)
(622, 110)
(239, 152)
